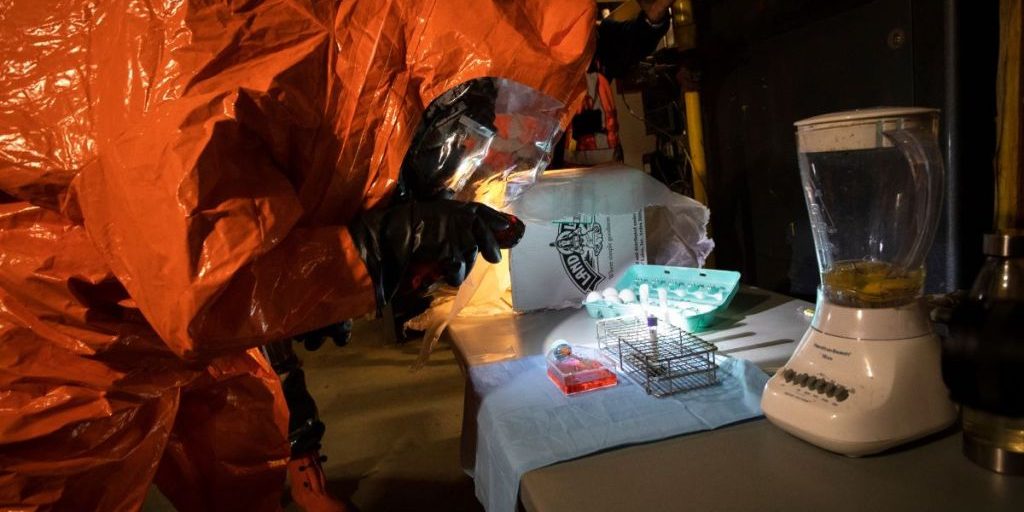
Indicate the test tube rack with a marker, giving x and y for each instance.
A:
(679, 361)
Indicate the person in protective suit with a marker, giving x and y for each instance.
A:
(592, 137)
(182, 182)
(429, 162)
(434, 155)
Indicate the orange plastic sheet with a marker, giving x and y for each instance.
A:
(175, 181)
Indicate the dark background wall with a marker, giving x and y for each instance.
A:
(767, 63)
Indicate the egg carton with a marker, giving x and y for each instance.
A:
(692, 297)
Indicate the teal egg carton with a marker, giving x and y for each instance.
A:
(695, 296)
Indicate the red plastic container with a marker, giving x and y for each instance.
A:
(580, 370)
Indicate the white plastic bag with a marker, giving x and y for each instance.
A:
(675, 234)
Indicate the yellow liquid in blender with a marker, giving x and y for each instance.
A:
(871, 284)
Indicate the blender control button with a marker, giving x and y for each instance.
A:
(788, 375)
(811, 382)
(842, 394)
(800, 379)
(822, 384)
(830, 389)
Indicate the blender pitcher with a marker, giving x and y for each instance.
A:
(873, 183)
(866, 375)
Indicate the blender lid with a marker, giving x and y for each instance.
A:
(861, 129)
(864, 115)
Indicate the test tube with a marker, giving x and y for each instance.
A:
(652, 332)
(663, 303)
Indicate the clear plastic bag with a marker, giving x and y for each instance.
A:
(485, 140)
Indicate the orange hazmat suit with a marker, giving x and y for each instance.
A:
(176, 177)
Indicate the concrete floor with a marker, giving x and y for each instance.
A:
(392, 438)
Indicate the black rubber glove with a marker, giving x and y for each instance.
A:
(440, 239)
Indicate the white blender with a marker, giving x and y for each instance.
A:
(866, 375)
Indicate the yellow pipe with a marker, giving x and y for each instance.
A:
(685, 37)
(684, 28)
(695, 134)
(1009, 172)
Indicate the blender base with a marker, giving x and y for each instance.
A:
(862, 395)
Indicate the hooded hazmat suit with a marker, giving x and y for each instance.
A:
(176, 178)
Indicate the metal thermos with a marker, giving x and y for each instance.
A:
(983, 358)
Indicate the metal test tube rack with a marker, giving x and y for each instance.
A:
(677, 362)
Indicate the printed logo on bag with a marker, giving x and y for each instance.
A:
(579, 243)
